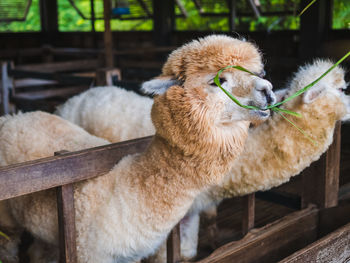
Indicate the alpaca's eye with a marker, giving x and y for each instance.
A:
(221, 80)
(262, 74)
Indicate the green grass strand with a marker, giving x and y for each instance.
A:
(299, 129)
(4, 235)
(307, 7)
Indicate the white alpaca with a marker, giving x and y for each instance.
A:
(286, 152)
(111, 113)
(127, 213)
(275, 151)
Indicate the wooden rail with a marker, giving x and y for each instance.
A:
(42, 174)
(270, 243)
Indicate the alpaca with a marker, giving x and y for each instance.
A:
(126, 214)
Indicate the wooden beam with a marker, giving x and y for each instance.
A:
(48, 16)
(108, 41)
(66, 221)
(332, 248)
(105, 76)
(232, 14)
(174, 245)
(248, 213)
(49, 93)
(77, 65)
(4, 90)
(321, 179)
(42, 174)
(315, 24)
(163, 21)
(272, 242)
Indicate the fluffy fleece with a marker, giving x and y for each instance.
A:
(126, 214)
(111, 113)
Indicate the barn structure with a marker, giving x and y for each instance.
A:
(305, 220)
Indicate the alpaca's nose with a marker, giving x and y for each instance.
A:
(265, 87)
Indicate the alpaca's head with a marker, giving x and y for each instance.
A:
(191, 106)
(194, 66)
(331, 88)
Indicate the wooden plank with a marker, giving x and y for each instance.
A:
(48, 15)
(174, 245)
(50, 93)
(315, 25)
(75, 65)
(105, 76)
(277, 196)
(332, 169)
(29, 82)
(248, 218)
(272, 242)
(66, 223)
(108, 42)
(321, 179)
(232, 14)
(332, 218)
(62, 78)
(163, 21)
(334, 247)
(4, 90)
(37, 175)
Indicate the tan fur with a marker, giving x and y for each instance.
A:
(275, 151)
(125, 215)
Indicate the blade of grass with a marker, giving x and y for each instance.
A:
(299, 92)
(299, 129)
(4, 235)
(296, 114)
(303, 11)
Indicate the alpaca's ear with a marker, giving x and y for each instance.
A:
(280, 94)
(158, 86)
(313, 93)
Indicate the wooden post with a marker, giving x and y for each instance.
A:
(92, 13)
(163, 21)
(174, 245)
(49, 21)
(4, 91)
(315, 24)
(108, 41)
(248, 217)
(105, 76)
(66, 222)
(321, 179)
(232, 15)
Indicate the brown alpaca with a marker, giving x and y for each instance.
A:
(126, 214)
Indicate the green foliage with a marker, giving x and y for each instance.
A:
(70, 20)
(341, 14)
(32, 22)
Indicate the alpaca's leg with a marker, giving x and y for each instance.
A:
(209, 223)
(189, 229)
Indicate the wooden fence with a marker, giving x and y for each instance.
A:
(318, 217)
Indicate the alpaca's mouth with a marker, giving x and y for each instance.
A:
(263, 113)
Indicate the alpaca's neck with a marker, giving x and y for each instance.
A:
(169, 180)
